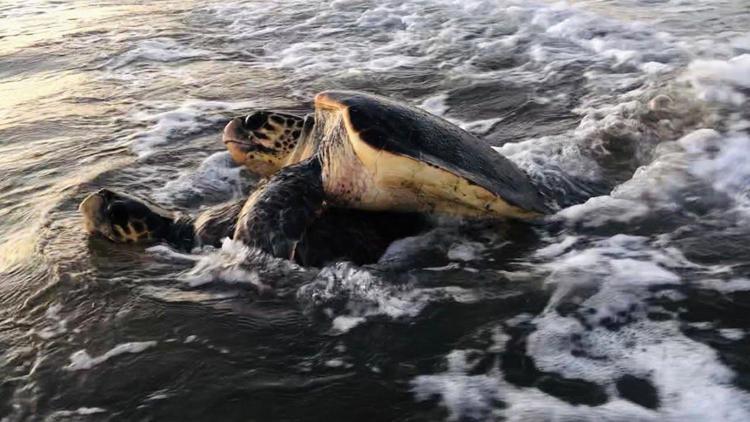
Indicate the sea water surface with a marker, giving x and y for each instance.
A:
(631, 304)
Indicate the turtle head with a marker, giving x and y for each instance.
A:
(124, 219)
(263, 141)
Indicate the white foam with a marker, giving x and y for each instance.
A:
(602, 210)
(58, 325)
(730, 286)
(161, 50)
(691, 381)
(81, 360)
(343, 323)
(436, 104)
(557, 248)
(718, 80)
(476, 397)
(719, 159)
(622, 261)
(728, 171)
(167, 253)
(465, 397)
(655, 68)
(217, 174)
(612, 278)
(168, 123)
(551, 157)
(366, 295)
(732, 333)
(466, 251)
(480, 127)
(392, 35)
(225, 264)
(236, 263)
(81, 411)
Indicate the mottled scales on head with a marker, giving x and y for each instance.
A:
(273, 130)
(124, 219)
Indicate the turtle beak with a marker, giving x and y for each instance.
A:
(235, 132)
(236, 140)
(92, 208)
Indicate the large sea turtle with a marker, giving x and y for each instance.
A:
(358, 151)
(372, 153)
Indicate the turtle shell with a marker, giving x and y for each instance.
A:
(402, 129)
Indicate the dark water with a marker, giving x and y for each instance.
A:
(631, 304)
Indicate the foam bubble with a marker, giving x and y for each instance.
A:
(81, 411)
(343, 323)
(81, 360)
(602, 210)
(466, 251)
(557, 248)
(436, 104)
(724, 286)
(732, 333)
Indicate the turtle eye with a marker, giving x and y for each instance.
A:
(107, 194)
(255, 120)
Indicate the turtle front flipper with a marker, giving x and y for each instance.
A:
(276, 215)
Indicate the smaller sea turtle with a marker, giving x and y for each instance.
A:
(339, 234)
(367, 152)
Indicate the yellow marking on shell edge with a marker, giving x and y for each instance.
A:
(429, 189)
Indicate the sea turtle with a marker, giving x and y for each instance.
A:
(353, 174)
(368, 152)
(337, 234)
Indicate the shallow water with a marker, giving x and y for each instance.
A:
(630, 304)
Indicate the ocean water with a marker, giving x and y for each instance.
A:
(630, 304)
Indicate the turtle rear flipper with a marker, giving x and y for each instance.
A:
(276, 215)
